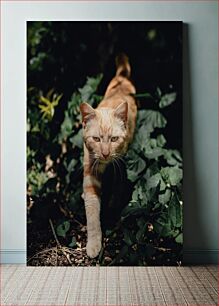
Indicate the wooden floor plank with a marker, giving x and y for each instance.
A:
(108, 286)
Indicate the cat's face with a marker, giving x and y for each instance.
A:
(104, 131)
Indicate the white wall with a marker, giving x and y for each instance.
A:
(200, 109)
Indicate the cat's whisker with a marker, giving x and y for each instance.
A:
(121, 160)
(120, 157)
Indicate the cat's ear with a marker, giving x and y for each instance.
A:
(121, 112)
(87, 112)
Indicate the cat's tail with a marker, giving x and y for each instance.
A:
(123, 67)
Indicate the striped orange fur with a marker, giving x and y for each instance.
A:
(107, 132)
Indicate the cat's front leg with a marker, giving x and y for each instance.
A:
(92, 206)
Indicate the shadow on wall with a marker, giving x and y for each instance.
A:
(193, 226)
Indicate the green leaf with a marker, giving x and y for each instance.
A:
(90, 87)
(175, 212)
(161, 141)
(153, 153)
(166, 230)
(73, 242)
(173, 157)
(150, 119)
(137, 193)
(135, 166)
(153, 181)
(179, 238)
(167, 99)
(71, 165)
(164, 197)
(156, 206)
(143, 95)
(131, 175)
(158, 92)
(77, 140)
(63, 228)
(141, 140)
(175, 176)
(66, 127)
(172, 175)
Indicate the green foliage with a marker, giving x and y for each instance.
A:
(54, 162)
(63, 228)
(167, 99)
(36, 178)
(54, 175)
(72, 117)
(156, 199)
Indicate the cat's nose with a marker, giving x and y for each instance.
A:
(105, 155)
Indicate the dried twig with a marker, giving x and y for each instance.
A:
(41, 252)
(162, 249)
(59, 244)
(79, 223)
(54, 233)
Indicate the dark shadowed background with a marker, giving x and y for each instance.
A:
(62, 54)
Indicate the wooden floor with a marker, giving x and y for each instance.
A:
(23, 285)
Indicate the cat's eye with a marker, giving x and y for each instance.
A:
(97, 139)
(115, 138)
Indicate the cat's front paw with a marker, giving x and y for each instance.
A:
(93, 247)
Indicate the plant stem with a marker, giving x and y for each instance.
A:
(58, 243)
(54, 233)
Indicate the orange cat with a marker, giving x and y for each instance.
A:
(107, 132)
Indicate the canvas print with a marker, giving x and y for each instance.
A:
(104, 143)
